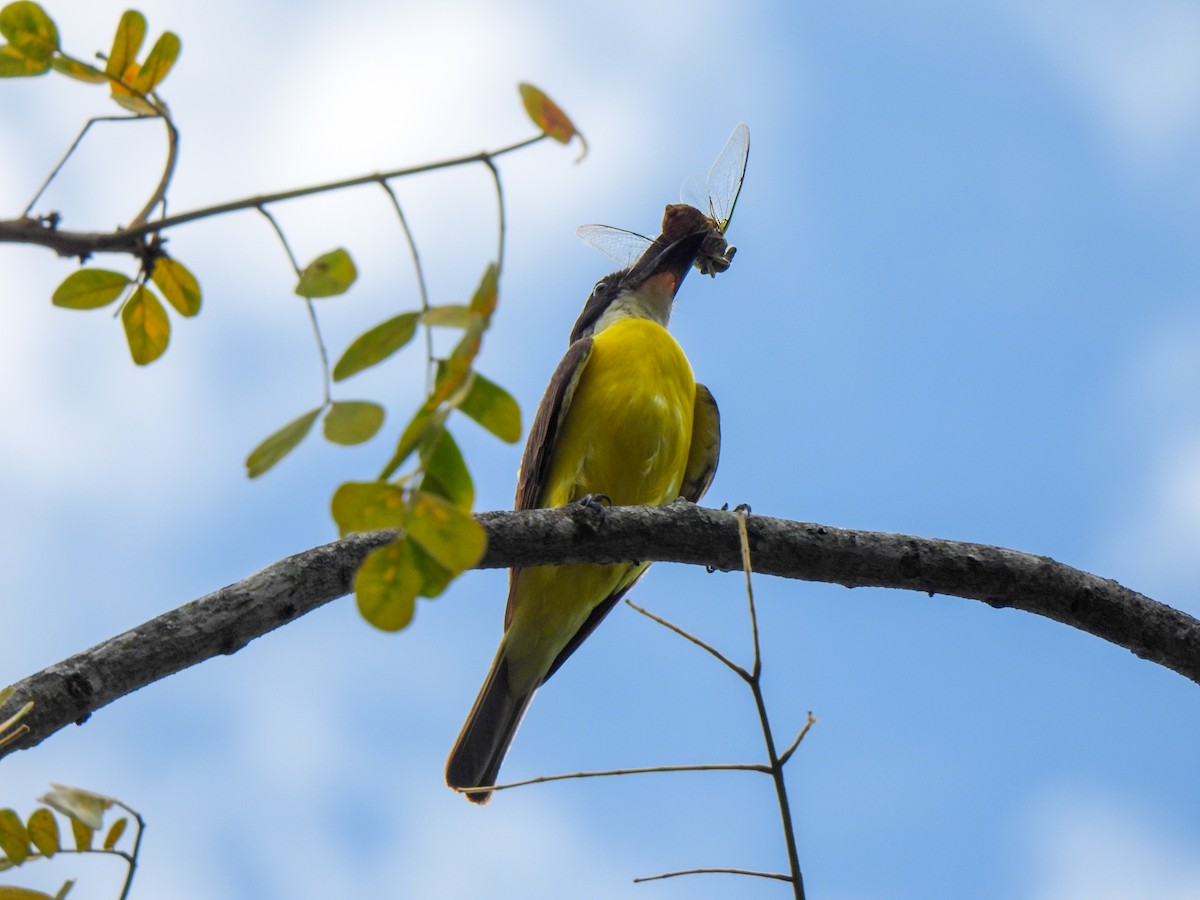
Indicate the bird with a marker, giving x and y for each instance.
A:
(623, 420)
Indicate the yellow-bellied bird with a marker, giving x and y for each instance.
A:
(623, 417)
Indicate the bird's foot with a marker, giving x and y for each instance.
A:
(590, 510)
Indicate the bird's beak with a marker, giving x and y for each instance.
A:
(663, 269)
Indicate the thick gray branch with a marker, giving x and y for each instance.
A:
(228, 619)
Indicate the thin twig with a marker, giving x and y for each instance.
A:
(124, 240)
(646, 770)
(160, 191)
(741, 512)
(137, 846)
(312, 312)
(421, 289)
(787, 754)
(687, 635)
(490, 162)
(778, 876)
(776, 767)
(71, 150)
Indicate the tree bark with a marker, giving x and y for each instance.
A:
(227, 619)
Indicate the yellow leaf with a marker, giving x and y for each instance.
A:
(131, 31)
(376, 345)
(483, 303)
(14, 839)
(77, 69)
(547, 116)
(178, 285)
(367, 506)
(158, 63)
(79, 805)
(15, 64)
(114, 833)
(447, 533)
(353, 421)
(328, 275)
(386, 586)
(90, 289)
(19, 893)
(147, 328)
(493, 408)
(280, 444)
(449, 315)
(43, 831)
(83, 835)
(446, 472)
(29, 30)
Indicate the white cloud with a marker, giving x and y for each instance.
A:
(1088, 847)
(1135, 65)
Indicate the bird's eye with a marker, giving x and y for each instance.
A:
(601, 288)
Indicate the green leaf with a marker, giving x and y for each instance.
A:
(43, 831)
(376, 345)
(386, 586)
(65, 889)
(158, 63)
(85, 807)
(90, 289)
(435, 578)
(446, 472)
(15, 64)
(424, 422)
(74, 68)
(454, 372)
(131, 31)
(178, 285)
(447, 533)
(29, 30)
(114, 833)
(494, 408)
(14, 839)
(353, 421)
(147, 328)
(450, 315)
(328, 275)
(368, 506)
(280, 444)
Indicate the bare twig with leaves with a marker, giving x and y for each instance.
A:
(38, 837)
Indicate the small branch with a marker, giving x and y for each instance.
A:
(27, 230)
(421, 288)
(608, 773)
(760, 705)
(312, 312)
(228, 619)
(795, 745)
(70, 152)
(778, 876)
(164, 181)
(688, 636)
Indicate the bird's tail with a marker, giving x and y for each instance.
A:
(489, 729)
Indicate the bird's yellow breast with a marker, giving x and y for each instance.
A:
(629, 425)
(625, 434)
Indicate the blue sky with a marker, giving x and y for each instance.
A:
(964, 306)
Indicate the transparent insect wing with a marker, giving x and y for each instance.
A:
(724, 181)
(624, 247)
(718, 194)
